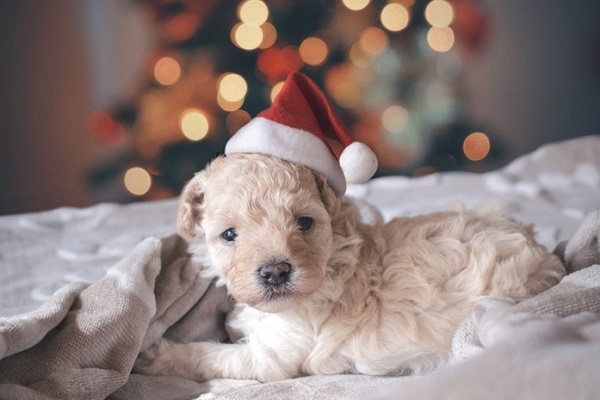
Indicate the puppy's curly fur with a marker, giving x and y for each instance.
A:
(350, 297)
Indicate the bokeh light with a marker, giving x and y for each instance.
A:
(440, 39)
(137, 181)
(394, 17)
(275, 90)
(194, 124)
(373, 41)
(236, 119)
(105, 127)
(253, 12)
(358, 57)
(342, 84)
(356, 5)
(269, 35)
(395, 119)
(247, 37)
(476, 146)
(167, 71)
(277, 63)
(439, 13)
(227, 105)
(313, 51)
(232, 87)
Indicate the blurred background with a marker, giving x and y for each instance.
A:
(123, 100)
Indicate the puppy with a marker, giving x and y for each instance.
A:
(319, 292)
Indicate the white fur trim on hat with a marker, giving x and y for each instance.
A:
(265, 136)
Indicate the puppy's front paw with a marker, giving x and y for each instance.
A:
(156, 360)
(167, 358)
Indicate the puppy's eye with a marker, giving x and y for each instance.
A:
(229, 235)
(305, 223)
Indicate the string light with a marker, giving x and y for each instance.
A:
(395, 119)
(439, 13)
(394, 17)
(253, 31)
(313, 51)
(235, 120)
(343, 86)
(269, 35)
(167, 71)
(137, 181)
(227, 105)
(253, 12)
(358, 57)
(276, 63)
(194, 124)
(232, 87)
(356, 5)
(275, 90)
(440, 39)
(106, 128)
(247, 37)
(373, 41)
(476, 146)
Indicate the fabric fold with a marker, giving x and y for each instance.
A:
(83, 341)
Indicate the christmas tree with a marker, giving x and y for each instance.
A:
(392, 69)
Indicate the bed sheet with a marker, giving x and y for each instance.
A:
(553, 188)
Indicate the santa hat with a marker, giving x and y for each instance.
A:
(299, 127)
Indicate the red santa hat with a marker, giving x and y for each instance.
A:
(299, 127)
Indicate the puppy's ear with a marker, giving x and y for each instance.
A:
(328, 197)
(189, 212)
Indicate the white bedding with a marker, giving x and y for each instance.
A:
(553, 188)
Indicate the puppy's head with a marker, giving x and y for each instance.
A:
(266, 224)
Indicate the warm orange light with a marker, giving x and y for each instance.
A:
(394, 17)
(167, 71)
(277, 63)
(343, 86)
(137, 181)
(313, 51)
(104, 127)
(440, 39)
(269, 35)
(275, 90)
(194, 124)
(227, 105)
(373, 41)
(358, 57)
(235, 120)
(476, 146)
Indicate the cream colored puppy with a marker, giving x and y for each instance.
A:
(319, 292)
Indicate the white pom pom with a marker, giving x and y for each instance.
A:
(358, 162)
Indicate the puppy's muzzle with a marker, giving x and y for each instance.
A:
(275, 274)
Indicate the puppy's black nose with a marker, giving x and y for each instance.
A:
(275, 274)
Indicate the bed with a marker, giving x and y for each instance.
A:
(83, 290)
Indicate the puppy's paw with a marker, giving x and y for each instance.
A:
(156, 360)
(167, 358)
